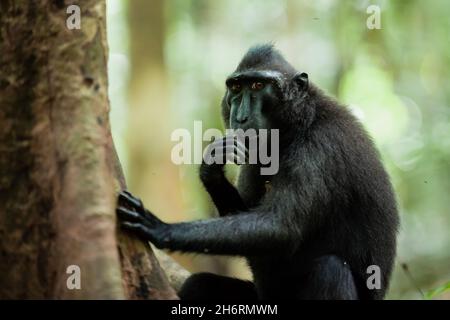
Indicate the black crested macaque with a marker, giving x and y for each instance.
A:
(330, 211)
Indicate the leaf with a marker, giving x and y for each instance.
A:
(437, 291)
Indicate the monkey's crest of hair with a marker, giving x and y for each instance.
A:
(265, 56)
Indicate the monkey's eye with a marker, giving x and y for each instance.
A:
(235, 87)
(257, 86)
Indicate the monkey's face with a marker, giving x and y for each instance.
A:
(258, 99)
(250, 100)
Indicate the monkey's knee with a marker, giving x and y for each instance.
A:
(329, 278)
(208, 286)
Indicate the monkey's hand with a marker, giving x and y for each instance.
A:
(140, 221)
(228, 148)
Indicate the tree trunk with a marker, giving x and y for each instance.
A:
(59, 170)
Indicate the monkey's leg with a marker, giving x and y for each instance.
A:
(328, 278)
(208, 286)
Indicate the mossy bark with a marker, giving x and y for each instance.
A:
(58, 168)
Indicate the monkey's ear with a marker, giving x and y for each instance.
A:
(301, 79)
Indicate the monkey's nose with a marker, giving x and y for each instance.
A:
(241, 119)
(242, 114)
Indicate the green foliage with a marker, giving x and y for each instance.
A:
(438, 291)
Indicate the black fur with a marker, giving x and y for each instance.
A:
(330, 211)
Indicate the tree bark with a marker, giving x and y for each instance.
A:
(58, 168)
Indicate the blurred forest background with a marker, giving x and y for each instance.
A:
(167, 65)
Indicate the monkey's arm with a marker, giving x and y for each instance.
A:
(243, 234)
(295, 205)
(224, 195)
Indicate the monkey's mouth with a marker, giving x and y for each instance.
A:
(247, 133)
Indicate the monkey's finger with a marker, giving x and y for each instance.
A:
(213, 146)
(226, 141)
(218, 157)
(208, 158)
(248, 142)
(234, 155)
(240, 144)
(128, 198)
(230, 142)
(146, 217)
(221, 151)
(243, 149)
(224, 154)
(127, 192)
(125, 214)
(241, 155)
(238, 159)
(209, 155)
